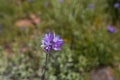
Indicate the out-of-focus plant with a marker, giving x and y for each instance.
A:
(113, 9)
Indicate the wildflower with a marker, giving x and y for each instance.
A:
(116, 5)
(46, 4)
(91, 6)
(57, 42)
(66, 40)
(30, 0)
(22, 28)
(51, 42)
(60, 1)
(110, 29)
(47, 41)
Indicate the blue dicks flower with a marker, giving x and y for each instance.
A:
(116, 5)
(30, 0)
(46, 4)
(91, 6)
(57, 43)
(111, 29)
(51, 42)
(60, 1)
(47, 41)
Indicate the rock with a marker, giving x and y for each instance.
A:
(34, 19)
(23, 23)
(105, 73)
(31, 21)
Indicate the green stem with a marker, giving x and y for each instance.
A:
(46, 62)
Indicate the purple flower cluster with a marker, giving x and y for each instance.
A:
(116, 5)
(91, 6)
(46, 4)
(51, 42)
(30, 0)
(60, 1)
(111, 29)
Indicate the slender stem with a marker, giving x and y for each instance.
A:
(46, 62)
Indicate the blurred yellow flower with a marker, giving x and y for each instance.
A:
(65, 40)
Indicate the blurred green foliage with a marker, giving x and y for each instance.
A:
(113, 9)
(82, 25)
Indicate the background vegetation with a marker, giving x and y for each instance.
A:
(88, 42)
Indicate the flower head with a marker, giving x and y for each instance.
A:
(51, 42)
(57, 43)
(46, 4)
(116, 5)
(60, 1)
(91, 6)
(110, 29)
